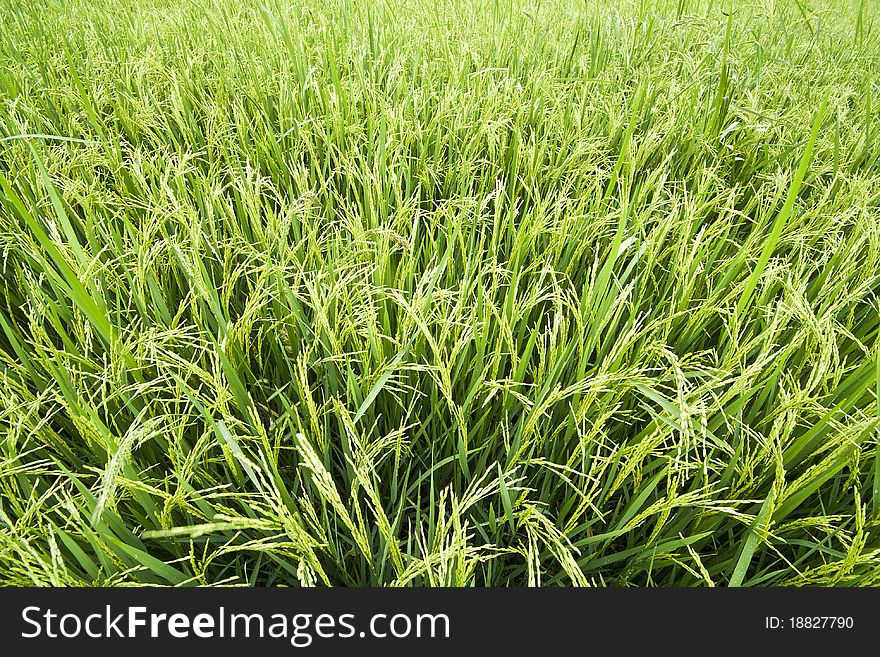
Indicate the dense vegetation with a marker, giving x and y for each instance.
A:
(439, 292)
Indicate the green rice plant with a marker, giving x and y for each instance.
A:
(439, 293)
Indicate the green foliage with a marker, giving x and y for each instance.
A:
(439, 292)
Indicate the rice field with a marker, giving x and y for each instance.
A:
(439, 293)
